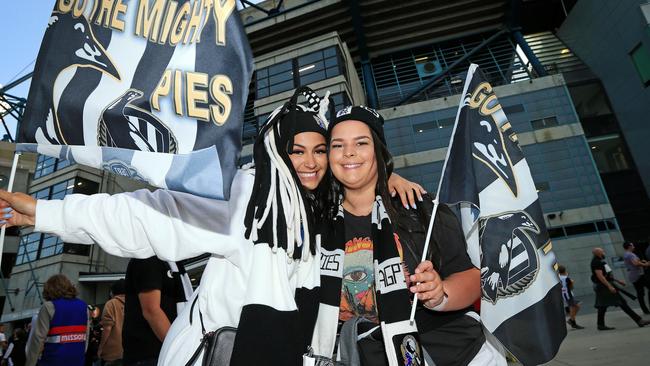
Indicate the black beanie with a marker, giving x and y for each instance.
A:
(372, 119)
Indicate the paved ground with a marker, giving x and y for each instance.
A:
(626, 345)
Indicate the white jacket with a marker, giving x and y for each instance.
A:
(176, 226)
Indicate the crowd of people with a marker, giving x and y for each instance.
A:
(314, 260)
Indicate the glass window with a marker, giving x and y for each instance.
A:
(42, 194)
(306, 69)
(538, 124)
(641, 59)
(610, 154)
(78, 249)
(46, 165)
(319, 65)
(60, 190)
(421, 127)
(447, 122)
(36, 245)
(274, 79)
(28, 248)
(556, 232)
(517, 108)
(51, 245)
(580, 229)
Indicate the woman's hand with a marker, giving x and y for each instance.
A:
(428, 285)
(406, 189)
(17, 209)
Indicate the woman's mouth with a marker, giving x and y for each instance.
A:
(351, 166)
(307, 175)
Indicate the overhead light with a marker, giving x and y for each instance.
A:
(593, 147)
(439, 126)
(306, 68)
(421, 58)
(456, 81)
(565, 51)
(80, 183)
(420, 131)
(70, 186)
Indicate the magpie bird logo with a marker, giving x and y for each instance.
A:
(509, 261)
(124, 124)
(76, 46)
(489, 146)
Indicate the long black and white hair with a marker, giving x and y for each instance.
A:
(279, 211)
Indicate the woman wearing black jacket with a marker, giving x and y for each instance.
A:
(370, 265)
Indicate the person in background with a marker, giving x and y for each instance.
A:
(3, 339)
(15, 354)
(150, 308)
(635, 268)
(95, 335)
(570, 302)
(606, 293)
(110, 347)
(61, 328)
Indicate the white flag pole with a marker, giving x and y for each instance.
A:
(9, 188)
(436, 201)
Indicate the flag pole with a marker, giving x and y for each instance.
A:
(9, 188)
(436, 201)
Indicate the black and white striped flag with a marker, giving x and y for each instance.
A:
(488, 179)
(150, 89)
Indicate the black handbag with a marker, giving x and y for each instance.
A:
(216, 346)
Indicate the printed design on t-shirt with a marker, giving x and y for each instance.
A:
(410, 351)
(358, 289)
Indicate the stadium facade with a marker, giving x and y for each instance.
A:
(579, 117)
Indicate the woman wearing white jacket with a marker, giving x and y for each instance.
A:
(263, 281)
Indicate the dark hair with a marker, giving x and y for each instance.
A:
(59, 286)
(118, 287)
(20, 334)
(627, 244)
(561, 269)
(337, 192)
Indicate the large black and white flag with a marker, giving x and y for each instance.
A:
(150, 89)
(487, 177)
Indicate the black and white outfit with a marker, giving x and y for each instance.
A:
(606, 298)
(263, 281)
(448, 338)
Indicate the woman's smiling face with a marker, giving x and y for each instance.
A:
(309, 158)
(352, 155)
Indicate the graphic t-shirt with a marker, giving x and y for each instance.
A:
(358, 297)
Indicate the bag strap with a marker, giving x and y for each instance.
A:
(204, 339)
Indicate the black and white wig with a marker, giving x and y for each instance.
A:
(277, 213)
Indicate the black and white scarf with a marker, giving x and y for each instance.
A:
(393, 296)
(278, 313)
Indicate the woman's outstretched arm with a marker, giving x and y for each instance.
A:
(170, 225)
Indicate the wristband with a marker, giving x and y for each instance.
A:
(441, 306)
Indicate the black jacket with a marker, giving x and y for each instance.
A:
(450, 337)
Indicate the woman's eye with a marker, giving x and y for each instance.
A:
(337, 146)
(297, 152)
(361, 143)
(321, 151)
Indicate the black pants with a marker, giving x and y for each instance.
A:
(623, 305)
(640, 285)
